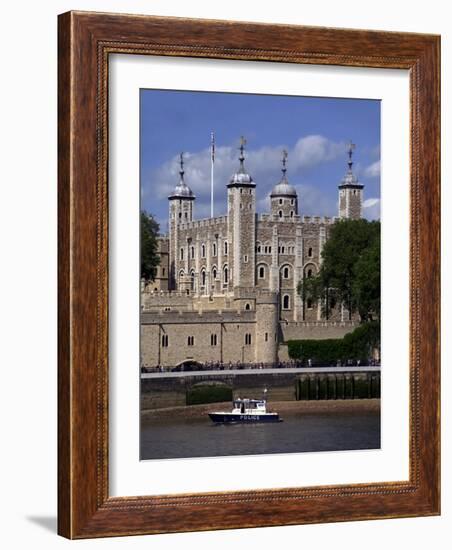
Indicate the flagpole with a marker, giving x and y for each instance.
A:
(212, 160)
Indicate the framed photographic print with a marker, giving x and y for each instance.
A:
(248, 275)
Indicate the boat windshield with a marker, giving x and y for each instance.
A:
(249, 403)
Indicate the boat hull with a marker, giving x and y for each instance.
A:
(232, 418)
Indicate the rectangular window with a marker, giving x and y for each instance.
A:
(213, 339)
(164, 340)
(266, 336)
(247, 339)
(191, 341)
(245, 258)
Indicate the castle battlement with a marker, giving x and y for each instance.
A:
(318, 220)
(326, 220)
(304, 324)
(201, 316)
(274, 218)
(206, 222)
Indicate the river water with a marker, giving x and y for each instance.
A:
(195, 437)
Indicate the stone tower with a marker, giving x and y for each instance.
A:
(242, 225)
(267, 327)
(350, 192)
(181, 203)
(283, 198)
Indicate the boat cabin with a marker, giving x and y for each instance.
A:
(249, 405)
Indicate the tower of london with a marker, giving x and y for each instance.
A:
(226, 288)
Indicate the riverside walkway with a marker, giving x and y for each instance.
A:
(248, 371)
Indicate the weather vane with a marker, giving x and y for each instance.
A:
(351, 146)
(241, 148)
(182, 162)
(285, 154)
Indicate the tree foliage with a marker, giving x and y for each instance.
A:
(350, 269)
(356, 345)
(149, 230)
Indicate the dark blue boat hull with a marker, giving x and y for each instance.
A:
(221, 418)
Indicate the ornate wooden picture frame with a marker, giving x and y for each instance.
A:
(86, 41)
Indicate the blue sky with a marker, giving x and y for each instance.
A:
(314, 131)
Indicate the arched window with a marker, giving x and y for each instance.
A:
(192, 280)
(286, 272)
(309, 273)
(247, 307)
(310, 252)
(192, 250)
(226, 275)
(280, 201)
(280, 213)
(291, 213)
(214, 249)
(214, 273)
(203, 251)
(261, 272)
(226, 248)
(309, 303)
(286, 301)
(203, 278)
(292, 201)
(181, 253)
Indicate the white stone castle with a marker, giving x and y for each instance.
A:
(226, 287)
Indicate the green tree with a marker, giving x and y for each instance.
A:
(350, 270)
(149, 229)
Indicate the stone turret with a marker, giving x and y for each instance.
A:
(350, 192)
(242, 225)
(284, 198)
(267, 327)
(181, 202)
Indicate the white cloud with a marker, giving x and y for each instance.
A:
(265, 166)
(314, 150)
(371, 208)
(373, 170)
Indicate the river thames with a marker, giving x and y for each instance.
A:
(195, 435)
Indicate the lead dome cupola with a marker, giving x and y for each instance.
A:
(283, 187)
(182, 191)
(241, 177)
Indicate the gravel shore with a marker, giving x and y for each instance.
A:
(347, 406)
